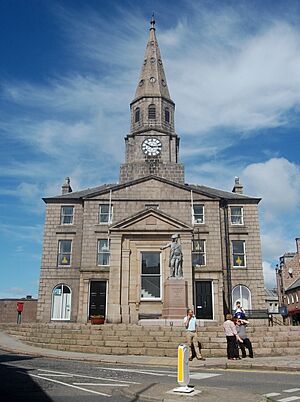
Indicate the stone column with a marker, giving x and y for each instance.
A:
(125, 281)
(114, 286)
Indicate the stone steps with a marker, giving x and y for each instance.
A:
(150, 341)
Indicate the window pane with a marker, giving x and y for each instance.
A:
(64, 259)
(103, 259)
(198, 259)
(236, 215)
(67, 215)
(198, 245)
(238, 246)
(65, 246)
(150, 263)
(238, 260)
(68, 210)
(137, 115)
(150, 286)
(198, 213)
(167, 115)
(103, 245)
(104, 213)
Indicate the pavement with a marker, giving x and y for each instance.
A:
(162, 392)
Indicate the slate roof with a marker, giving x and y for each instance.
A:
(294, 285)
(204, 190)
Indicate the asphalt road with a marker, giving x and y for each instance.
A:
(25, 378)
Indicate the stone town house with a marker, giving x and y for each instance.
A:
(101, 252)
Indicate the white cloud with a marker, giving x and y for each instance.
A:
(269, 275)
(277, 181)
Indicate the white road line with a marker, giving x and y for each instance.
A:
(103, 385)
(291, 390)
(88, 376)
(271, 394)
(202, 376)
(58, 375)
(66, 384)
(132, 371)
(289, 399)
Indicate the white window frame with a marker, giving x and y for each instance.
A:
(288, 299)
(240, 298)
(242, 215)
(61, 302)
(297, 297)
(155, 299)
(203, 214)
(110, 214)
(62, 215)
(103, 252)
(197, 252)
(244, 254)
(292, 298)
(59, 253)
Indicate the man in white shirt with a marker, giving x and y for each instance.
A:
(190, 324)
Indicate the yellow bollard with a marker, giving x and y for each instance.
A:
(183, 372)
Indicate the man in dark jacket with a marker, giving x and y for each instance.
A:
(241, 326)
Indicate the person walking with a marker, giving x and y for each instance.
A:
(232, 338)
(190, 324)
(241, 326)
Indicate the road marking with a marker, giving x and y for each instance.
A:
(88, 376)
(289, 399)
(132, 371)
(291, 390)
(58, 375)
(271, 394)
(66, 384)
(103, 385)
(202, 376)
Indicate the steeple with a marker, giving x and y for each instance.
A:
(152, 81)
(152, 144)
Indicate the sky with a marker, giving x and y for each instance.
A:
(69, 69)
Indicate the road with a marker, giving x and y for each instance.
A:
(25, 378)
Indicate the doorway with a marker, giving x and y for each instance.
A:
(97, 298)
(203, 302)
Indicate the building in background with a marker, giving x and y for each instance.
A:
(272, 302)
(8, 310)
(102, 246)
(287, 278)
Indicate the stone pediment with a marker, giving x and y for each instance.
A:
(150, 220)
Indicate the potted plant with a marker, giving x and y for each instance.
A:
(97, 319)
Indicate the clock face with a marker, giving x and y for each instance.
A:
(151, 146)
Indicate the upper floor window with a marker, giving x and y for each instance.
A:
(198, 213)
(238, 253)
(151, 112)
(66, 215)
(150, 275)
(105, 213)
(236, 215)
(137, 115)
(64, 253)
(167, 115)
(198, 253)
(103, 252)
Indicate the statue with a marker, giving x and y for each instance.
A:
(175, 258)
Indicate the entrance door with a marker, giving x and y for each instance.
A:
(203, 303)
(97, 298)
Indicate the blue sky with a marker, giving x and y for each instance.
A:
(69, 69)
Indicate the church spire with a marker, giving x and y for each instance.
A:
(152, 81)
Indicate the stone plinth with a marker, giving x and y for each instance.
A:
(175, 298)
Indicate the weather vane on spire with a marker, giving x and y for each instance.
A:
(152, 22)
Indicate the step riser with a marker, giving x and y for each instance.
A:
(137, 340)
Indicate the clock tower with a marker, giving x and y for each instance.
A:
(152, 145)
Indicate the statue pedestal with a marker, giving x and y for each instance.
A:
(175, 298)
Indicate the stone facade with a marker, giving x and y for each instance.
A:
(102, 246)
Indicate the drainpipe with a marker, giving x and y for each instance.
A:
(227, 253)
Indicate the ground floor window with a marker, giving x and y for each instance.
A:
(61, 303)
(150, 275)
(242, 294)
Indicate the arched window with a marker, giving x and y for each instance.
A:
(167, 115)
(151, 112)
(137, 115)
(61, 303)
(242, 294)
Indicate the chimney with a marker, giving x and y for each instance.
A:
(298, 244)
(237, 188)
(66, 188)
